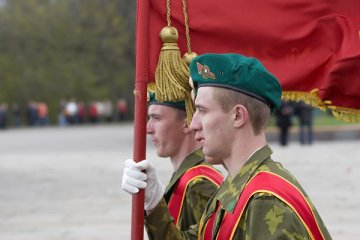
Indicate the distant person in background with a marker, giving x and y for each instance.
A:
(16, 114)
(71, 109)
(3, 116)
(122, 109)
(304, 113)
(31, 113)
(62, 114)
(108, 110)
(81, 115)
(283, 121)
(42, 114)
(93, 113)
(100, 111)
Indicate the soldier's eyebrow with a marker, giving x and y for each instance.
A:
(199, 106)
(154, 115)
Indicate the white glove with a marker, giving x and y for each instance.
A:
(133, 180)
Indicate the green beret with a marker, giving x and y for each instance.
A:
(178, 105)
(238, 73)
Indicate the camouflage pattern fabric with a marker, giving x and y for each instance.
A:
(265, 216)
(197, 195)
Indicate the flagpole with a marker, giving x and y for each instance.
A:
(141, 80)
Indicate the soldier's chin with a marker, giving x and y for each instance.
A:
(213, 160)
(161, 153)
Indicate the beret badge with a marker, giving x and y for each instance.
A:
(204, 71)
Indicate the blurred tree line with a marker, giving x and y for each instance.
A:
(51, 50)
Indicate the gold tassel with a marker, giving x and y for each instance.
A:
(172, 73)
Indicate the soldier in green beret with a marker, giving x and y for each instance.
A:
(235, 96)
(193, 180)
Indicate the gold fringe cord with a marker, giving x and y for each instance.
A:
(346, 114)
(312, 98)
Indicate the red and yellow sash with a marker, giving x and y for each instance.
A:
(266, 182)
(177, 198)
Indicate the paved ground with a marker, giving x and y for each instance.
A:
(64, 183)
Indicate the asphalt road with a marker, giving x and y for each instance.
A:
(64, 183)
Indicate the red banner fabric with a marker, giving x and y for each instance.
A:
(307, 44)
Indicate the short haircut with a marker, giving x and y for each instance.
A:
(180, 114)
(259, 112)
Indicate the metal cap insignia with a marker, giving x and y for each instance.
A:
(204, 71)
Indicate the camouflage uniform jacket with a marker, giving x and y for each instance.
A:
(264, 217)
(197, 194)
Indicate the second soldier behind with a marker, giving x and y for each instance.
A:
(193, 180)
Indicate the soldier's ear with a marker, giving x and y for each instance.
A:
(186, 128)
(241, 115)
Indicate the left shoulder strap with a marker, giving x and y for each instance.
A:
(177, 198)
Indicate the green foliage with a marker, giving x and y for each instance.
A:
(54, 49)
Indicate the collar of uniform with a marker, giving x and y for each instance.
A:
(229, 192)
(191, 160)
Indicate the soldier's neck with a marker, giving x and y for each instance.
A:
(185, 150)
(242, 151)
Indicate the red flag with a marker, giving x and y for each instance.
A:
(312, 46)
